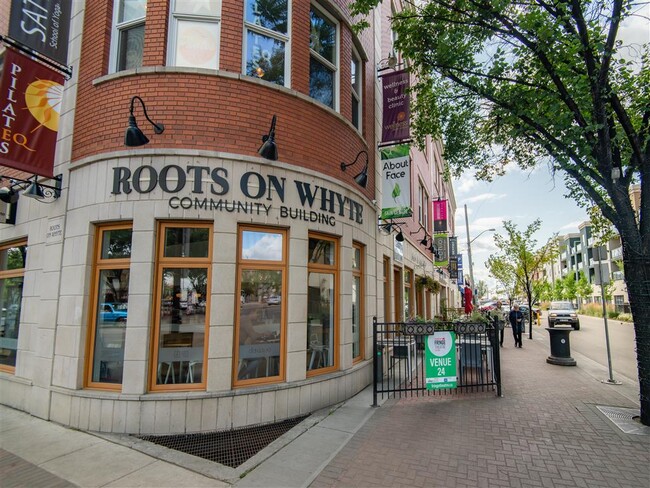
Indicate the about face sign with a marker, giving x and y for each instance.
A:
(207, 188)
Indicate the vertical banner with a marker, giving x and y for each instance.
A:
(453, 266)
(30, 97)
(440, 241)
(42, 25)
(461, 277)
(453, 246)
(396, 182)
(440, 357)
(396, 112)
(440, 216)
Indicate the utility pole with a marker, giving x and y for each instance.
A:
(469, 255)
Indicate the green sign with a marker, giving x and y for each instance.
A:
(440, 357)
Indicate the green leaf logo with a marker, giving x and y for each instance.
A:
(396, 191)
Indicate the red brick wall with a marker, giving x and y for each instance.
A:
(216, 113)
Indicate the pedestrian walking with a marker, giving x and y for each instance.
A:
(516, 318)
(498, 316)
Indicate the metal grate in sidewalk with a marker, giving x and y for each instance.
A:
(625, 419)
(230, 448)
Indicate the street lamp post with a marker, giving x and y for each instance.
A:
(469, 255)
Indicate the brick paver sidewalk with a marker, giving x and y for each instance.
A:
(545, 432)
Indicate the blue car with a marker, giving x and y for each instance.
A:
(113, 312)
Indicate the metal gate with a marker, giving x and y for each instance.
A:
(399, 358)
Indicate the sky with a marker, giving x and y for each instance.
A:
(523, 196)
(518, 196)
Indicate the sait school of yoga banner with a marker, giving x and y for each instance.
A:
(396, 182)
(30, 100)
(42, 25)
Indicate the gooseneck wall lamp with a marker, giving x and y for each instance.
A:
(425, 239)
(387, 227)
(134, 137)
(362, 178)
(30, 188)
(269, 148)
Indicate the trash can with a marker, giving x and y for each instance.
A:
(560, 346)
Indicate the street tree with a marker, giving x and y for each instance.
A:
(519, 258)
(548, 83)
(482, 288)
(569, 287)
(584, 289)
(504, 272)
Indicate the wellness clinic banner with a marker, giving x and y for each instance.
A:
(396, 182)
(396, 119)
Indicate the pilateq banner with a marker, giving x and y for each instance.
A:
(42, 25)
(30, 101)
(396, 182)
(461, 278)
(440, 216)
(397, 113)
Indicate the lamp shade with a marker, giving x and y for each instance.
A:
(8, 195)
(362, 178)
(34, 191)
(399, 237)
(269, 149)
(134, 137)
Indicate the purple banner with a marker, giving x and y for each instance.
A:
(440, 216)
(397, 113)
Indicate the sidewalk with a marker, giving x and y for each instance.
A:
(546, 431)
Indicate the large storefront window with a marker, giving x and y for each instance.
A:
(181, 321)
(110, 307)
(12, 270)
(266, 37)
(321, 304)
(409, 312)
(261, 305)
(357, 302)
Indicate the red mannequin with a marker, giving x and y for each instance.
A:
(468, 300)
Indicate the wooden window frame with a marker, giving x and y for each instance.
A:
(387, 294)
(100, 265)
(13, 273)
(409, 288)
(333, 270)
(163, 262)
(360, 273)
(244, 264)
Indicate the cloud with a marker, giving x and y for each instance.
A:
(572, 226)
(467, 183)
(485, 196)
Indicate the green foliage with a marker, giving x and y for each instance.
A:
(625, 317)
(569, 286)
(584, 289)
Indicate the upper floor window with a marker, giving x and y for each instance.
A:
(127, 43)
(356, 79)
(266, 40)
(323, 62)
(423, 206)
(194, 33)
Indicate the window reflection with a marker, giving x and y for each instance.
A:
(263, 246)
(320, 321)
(116, 244)
(182, 325)
(270, 14)
(110, 323)
(260, 322)
(184, 242)
(265, 58)
(321, 251)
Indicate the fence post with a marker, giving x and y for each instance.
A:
(496, 351)
(375, 362)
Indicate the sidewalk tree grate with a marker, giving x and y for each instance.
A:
(625, 419)
(231, 447)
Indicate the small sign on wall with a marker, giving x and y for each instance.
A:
(54, 233)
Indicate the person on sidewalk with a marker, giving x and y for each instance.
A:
(516, 318)
(498, 316)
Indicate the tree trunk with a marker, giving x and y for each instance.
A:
(637, 279)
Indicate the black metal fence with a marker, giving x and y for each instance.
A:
(399, 361)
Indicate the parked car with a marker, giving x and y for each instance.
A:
(487, 306)
(273, 300)
(563, 313)
(113, 312)
(524, 310)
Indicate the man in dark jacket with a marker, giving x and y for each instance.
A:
(516, 318)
